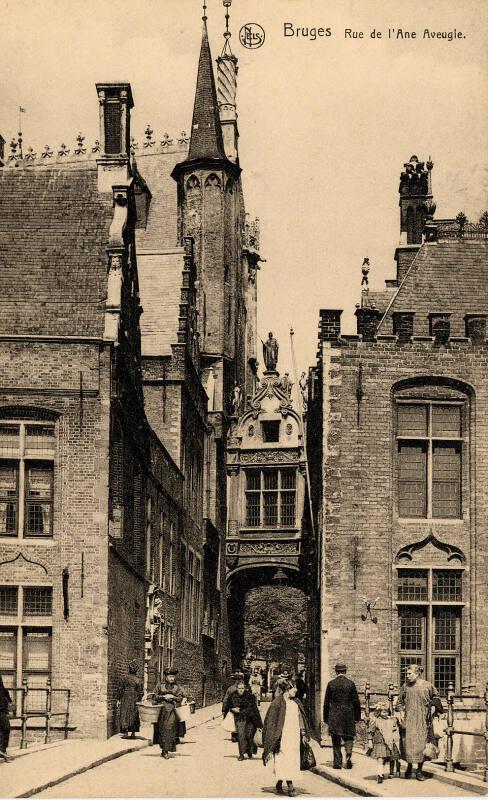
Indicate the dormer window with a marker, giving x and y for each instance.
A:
(271, 430)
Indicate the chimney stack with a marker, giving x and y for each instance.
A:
(115, 101)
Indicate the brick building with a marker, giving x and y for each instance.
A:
(128, 290)
(397, 438)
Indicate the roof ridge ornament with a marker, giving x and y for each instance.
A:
(227, 51)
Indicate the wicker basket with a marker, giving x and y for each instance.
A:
(148, 712)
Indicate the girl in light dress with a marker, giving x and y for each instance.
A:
(384, 741)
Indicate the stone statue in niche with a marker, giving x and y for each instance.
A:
(115, 262)
(270, 352)
(236, 399)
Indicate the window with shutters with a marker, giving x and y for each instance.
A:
(429, 447)
(430, 617)
(26, 479)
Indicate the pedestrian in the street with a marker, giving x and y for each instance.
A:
(236, 676)
(256, 684)
(417, 698)
(277, 690)
(342, 710)
(5, 706)
(129, 693)
(285, 725)
(171, 695)
(384, 742)
(242, 704)
(301, 687)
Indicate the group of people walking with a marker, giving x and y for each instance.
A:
(407, 734)
(284, 733)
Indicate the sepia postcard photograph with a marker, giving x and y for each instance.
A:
(243, 398)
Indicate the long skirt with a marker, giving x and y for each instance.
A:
(287, 760)
(167, 728)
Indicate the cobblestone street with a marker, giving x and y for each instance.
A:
(205, 765)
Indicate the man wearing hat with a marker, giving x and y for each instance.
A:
(236, 676)
(342, 710)
(170, 694)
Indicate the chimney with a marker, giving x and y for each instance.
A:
(115, 101)
(367, 320)
(330, 325)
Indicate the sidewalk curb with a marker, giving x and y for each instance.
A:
(103, 760)
(348, 783)
(84, 768)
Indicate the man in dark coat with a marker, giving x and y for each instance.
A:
(236, 676)
(342, 710)
(170, 695)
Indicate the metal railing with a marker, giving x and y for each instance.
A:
(46, 712)
(450, 731)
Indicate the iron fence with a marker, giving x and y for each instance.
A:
(43, 710)
(450, 731)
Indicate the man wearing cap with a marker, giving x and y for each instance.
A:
(236, 676)
(342, 710)
(170, 694)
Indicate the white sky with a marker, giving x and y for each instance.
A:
(325, 126)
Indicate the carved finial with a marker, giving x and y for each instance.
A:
(166, 140)
(13, 146)
(184, 138)
(30, 155)
(227, 34)
(79, 150)
(149, 140)
(63, 150)
(365, 270)
(96, 147)
(461, 220)
(430, 164)
(133, 146)
(47, 152)
(204, 10)
(484, 219)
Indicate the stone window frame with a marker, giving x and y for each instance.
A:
(429, 607)
(22, 455)
(21, 625)
(190, 593)
(279, 491)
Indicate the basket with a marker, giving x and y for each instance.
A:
(148, 713)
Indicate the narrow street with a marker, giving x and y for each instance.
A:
(205, 765)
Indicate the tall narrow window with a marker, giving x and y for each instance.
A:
(430, 612)
(26, 479)
(429, 460)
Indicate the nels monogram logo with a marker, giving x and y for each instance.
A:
(251, 36)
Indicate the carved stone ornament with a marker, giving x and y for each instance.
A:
(232, 530)
(269, 548)
(192, 182)
(232, 548)
(251, 431)
(115, 262)
(289, 429)
(452, 552)
(231, 563)
(269, 457)
(213, 180)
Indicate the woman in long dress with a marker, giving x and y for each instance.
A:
(284, 727)
(130, 691)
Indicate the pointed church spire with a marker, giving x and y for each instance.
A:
(206, 133)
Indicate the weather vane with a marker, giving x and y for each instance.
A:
(227, 4)
(204, 10)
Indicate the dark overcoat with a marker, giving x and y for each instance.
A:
(342, 708)
(248, 709)
(130, 692)
(273, 725)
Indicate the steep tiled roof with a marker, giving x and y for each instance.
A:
(53, 261)
(156, 167)
(446, 276)
(206, 132)
(159, 260)
(160, 281)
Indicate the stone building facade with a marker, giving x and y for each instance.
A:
(398, 452)
(123, 333)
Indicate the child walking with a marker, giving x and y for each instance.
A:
(384, 741)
